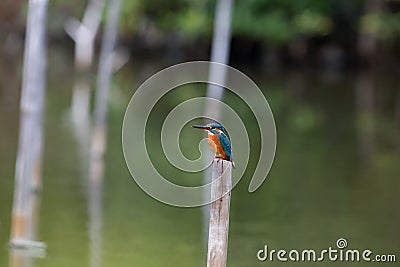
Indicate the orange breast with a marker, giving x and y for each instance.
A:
(215, 146)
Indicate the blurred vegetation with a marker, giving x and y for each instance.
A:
(268, 20)
(280, 21)
(275, 23)
(328, 32)
(382, 25)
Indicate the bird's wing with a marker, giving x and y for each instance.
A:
(226, 144)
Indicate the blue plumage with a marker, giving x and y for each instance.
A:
(226, 144)
(218, 140)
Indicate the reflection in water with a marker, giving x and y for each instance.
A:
(308, 201)
(19, 258)
(92, 168)
(95, 188)
(81, 100)
(296, 83)
(364, 97)
(81, 124)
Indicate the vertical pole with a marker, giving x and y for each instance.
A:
(220, 50)
(219, 213)
(104, 77)
(84, 36)
(95, 196)
(29, 156)
(99, 140)
(220, 47)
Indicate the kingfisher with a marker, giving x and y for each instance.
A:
(218, 141)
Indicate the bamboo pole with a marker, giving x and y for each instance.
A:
(220, 50)
(104, 77)
(99, 136)
(29, 155)
(95, 209)
(219, 213)
(84, 33)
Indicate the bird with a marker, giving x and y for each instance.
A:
(218, 141)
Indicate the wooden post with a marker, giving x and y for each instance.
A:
(99, 140)
(104, 77)
(220, 50)
(84, 33)
(219, 213)
(29, 156)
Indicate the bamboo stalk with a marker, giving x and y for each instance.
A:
(99, 131)
(219, 213)
(220, 50)
(104, 78)
(29, 156)
(84, 33)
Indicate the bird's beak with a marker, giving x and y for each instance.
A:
(200, 127)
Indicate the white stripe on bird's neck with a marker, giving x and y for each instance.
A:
(218, 130)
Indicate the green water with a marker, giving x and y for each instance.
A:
(335, 175)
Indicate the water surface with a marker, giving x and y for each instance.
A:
(335, 175)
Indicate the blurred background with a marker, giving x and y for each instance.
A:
(330, 71)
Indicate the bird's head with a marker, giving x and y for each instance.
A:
(211, 127)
